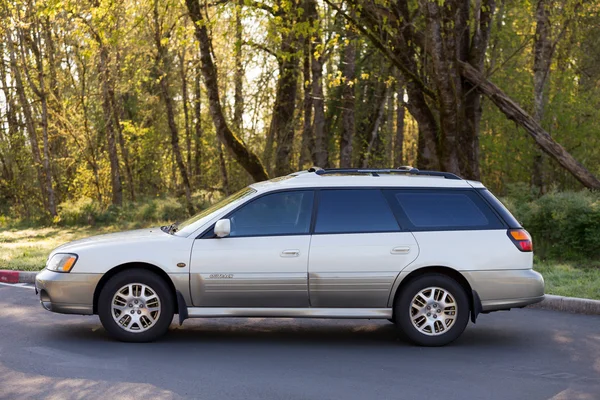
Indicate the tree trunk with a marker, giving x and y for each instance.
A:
(282, 122)
(427, 145)
(307, 105)
(247, 159)
(399, 137)
(163, 69)
(321, 156)
(198, 127)
(475, 55)
(122, 145)
(115, 173)
(92, 158)
(27, 114)
(380, 111)
(12, 127)
(389, 131)
(442, 53)
(223, 168)
(164, 85)
(348, 100)
(515, 113)
(42, 93)
(238, 79)
(186, 113)
(542, 58)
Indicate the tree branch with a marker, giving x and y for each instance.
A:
(514, 112)
(386, 51)
(265, 49)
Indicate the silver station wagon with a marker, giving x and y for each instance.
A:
(426, 250)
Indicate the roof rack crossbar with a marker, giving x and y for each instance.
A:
(376, 171)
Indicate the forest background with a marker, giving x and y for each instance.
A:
(123, 114)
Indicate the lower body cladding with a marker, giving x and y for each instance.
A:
(67, 293)
(497, 290)
(72, 293)
(506, 289)
(288, 312)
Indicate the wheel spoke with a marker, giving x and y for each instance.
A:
(150, 317)
(151, 298)
(121, 297)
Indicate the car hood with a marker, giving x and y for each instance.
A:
(110, 238)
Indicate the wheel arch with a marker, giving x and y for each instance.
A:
(437, 269)
(134, 265)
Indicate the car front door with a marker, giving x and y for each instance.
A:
(264, 260)
(357, 249)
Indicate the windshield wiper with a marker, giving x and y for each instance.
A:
(170, 229)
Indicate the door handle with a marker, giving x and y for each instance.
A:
(290, 253)
(401, 250)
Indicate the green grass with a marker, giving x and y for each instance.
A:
(571, 279)
(28, 249)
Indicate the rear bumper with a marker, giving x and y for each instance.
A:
(67, 293)
(506, 289)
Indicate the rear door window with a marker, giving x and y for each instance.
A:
(354, 211)
(430, 210)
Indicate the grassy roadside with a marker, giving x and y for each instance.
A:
(571, 279)
(27, 250)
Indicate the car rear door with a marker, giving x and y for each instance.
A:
(264, 260)
(357, 249)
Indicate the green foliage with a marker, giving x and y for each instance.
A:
(564, 225)
(146, 212)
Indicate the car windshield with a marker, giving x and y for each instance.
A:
(188, 226)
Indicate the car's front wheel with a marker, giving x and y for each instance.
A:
(136, 305)
(432, 310)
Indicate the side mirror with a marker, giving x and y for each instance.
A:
(223, 228)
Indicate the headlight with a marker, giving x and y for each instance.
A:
(62, 262)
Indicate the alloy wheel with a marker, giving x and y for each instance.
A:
(135, 307)
(433, 311)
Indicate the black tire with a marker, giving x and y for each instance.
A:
(160, 288)
(402, 308)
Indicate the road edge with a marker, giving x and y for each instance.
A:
(551, 302)
(574, 305)
(9, 276)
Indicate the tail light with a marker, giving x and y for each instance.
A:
(521, 239)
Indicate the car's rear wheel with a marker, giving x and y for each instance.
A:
(136, 305)
(432, 310)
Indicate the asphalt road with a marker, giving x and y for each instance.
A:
(522, 354)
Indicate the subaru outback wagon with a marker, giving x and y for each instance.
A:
(426, 250)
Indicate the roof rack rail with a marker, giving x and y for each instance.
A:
(408, 170)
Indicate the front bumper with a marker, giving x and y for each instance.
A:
(67, 293)
(506, 289)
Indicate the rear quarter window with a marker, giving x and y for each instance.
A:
(430, 210)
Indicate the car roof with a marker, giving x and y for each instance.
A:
(313, 179)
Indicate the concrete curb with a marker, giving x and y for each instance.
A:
(17, 276)
(569, 304)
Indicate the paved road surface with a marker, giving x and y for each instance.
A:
(522, 354)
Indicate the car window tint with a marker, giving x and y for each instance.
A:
(354, 211)
(446, 210)
(283, 213)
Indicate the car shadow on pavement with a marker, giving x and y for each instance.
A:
(287, 331)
